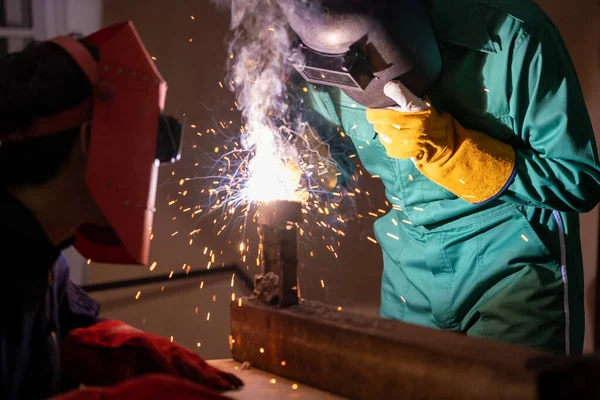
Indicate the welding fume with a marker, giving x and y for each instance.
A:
(472, 117)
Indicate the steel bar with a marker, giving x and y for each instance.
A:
(373, 358)
(278, 223)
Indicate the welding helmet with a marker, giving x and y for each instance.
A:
(129, 138)
(360, 45)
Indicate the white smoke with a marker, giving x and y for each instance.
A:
(260, 50)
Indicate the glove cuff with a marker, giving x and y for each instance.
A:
(475, 167)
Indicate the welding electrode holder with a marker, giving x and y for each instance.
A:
(278, 222)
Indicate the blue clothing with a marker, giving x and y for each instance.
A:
(39, 306)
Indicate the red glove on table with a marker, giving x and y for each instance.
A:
(148, 387)
(110, 352)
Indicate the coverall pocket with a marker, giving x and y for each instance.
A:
(506, 285)
(530, 234)
(471, 257)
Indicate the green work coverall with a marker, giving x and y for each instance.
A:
(510, 268)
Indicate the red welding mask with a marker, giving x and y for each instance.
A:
(129, 139)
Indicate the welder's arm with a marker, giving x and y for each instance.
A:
(339, 147)
(470, 164)
(76, 309)
(552, 163)
(557, 165)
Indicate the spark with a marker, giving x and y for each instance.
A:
(407, 222)
(394, 222)
(403, 299)
(283, 363)
(524, 238)
(393, 236)
(322, 283)
(153, 266)
(273, 381)
(208, 317)
(262, 350)
(137, 296)
(371, 239)
(294, 386)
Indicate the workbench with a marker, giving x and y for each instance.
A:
(260, 385)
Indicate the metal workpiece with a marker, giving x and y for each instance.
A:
(278, 228)
(374, 358)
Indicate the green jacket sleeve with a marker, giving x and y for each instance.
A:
(317, 117)
(557, 161)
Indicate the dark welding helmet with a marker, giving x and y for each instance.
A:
(360, 45)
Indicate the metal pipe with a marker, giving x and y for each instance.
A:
(101, 287)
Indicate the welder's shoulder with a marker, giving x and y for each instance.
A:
(527, 12)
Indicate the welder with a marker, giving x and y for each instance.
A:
(471, 113)
(82, 134)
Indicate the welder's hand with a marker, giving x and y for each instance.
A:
(468, 163)
(148, 387)
(110, 352)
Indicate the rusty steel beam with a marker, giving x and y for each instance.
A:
(373, 358)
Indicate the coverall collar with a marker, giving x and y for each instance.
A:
(460, 22)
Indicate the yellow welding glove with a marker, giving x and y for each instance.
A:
(470, 164)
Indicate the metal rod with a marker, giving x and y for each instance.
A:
(101, 287)
(16, 33)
